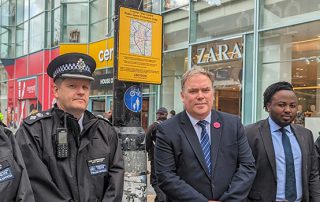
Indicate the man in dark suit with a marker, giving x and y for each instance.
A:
(201, 154)
(284, 152)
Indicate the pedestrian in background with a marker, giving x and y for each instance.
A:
(284, 152)
(14, 180)
(161, 115)
(70, 154)
(202, 154)
(172, 113)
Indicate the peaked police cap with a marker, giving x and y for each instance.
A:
(72, 65)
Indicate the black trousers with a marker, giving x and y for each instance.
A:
(160, 196)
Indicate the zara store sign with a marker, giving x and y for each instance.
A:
(219, 53)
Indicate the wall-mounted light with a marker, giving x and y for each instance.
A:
(318, 59)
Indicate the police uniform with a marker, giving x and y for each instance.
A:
(14, 180)
(93, 169)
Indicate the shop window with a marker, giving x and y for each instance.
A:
(22, 39)
(152, 6)
(36, 39)
(56, 27)
(74, 36)
(275, 13)
(212, 18)
(175, 28)
(175, 64)
(75, 25)
(56, 3)
(224, 60)
(36, 7)
(293, 54)
(99, 14)
(171, 4)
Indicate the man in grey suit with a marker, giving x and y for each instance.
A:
(201, 154)
(284, 152)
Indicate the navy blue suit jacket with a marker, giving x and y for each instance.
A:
(180, 166)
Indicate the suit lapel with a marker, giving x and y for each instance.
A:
(193, 140)
(265, 133)
(215, 133)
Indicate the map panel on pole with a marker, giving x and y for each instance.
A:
(140, 46)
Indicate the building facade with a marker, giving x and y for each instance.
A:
(247, 44)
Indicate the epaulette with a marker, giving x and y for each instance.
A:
(104, 119)
(36, 117)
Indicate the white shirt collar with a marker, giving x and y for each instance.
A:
(194, 121)
(80, 122)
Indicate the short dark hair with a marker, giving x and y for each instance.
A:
(272, 89)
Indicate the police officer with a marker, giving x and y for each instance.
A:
(14, 180)
(70, 154)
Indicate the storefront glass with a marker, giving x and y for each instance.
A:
(171, 4)
(152, 6)
(36, 40)
(3, 93)
(5, 13)
(276, 12)
(176, 26)
(224, 58)
(7, 20)
(56, 3)
(75, 24)
(21, 15)
(210, 18)
(25, 8)
(4, 46)
(22, 39)
(98, 19)
(56, 28)
(36, 7)
(174, 65)
(293, 54)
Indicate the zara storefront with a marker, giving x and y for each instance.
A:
(248, 44)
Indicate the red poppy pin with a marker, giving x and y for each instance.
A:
(216, 125)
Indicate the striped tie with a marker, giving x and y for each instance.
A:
(205, 143)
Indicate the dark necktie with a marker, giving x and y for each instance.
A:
(205, 143)
(290, 187)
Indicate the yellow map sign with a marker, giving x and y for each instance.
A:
(140, 46)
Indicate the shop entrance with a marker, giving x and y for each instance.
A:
(228, 100)
(98, 105)
(26, 108)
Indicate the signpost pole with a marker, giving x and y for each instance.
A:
(126, 117)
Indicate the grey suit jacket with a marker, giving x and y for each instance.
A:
(180, 166)
(264, 187)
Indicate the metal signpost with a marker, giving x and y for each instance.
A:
(136, 60)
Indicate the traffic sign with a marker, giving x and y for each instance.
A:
(133, 98)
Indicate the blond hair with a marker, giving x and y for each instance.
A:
(194, 71)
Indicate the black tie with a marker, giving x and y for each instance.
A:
(290, 188)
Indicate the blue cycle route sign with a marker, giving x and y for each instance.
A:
(133, 98)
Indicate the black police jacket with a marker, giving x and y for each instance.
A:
(93, 170)
(14, 181)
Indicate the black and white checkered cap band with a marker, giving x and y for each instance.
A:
(71, 67)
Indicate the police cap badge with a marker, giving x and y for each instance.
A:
(72, 65)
